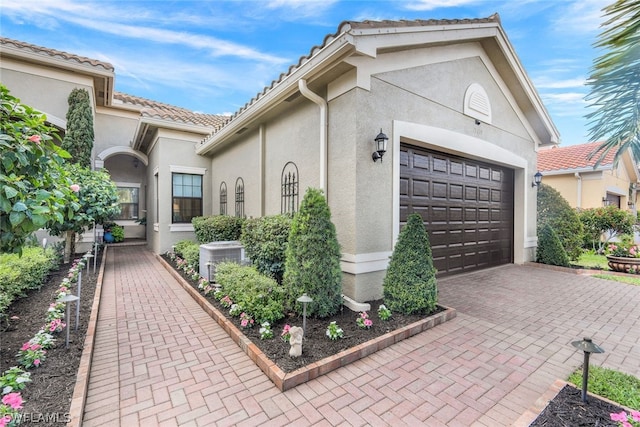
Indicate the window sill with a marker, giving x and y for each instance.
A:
(181, 227)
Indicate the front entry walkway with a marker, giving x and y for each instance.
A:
(159, 360)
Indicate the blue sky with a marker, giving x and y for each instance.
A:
(214, 56)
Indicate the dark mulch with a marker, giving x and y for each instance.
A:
(316, 344)
(567, 409)
(51, 388)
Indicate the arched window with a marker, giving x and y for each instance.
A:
(240, 197)
(223, 198)
(289, 188)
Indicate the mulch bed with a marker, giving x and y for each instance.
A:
(316, 344)
(48, 395)
(567, 409)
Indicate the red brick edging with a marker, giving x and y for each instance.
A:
(287, 380)
(76, 411)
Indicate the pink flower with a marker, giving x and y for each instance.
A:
(25, 346)
(368, 323)
(36, 362)
(74, 187)
(35, 139)
(620, 416)
(13, 399)
(635, 415)
(5, 420)
(244, 323)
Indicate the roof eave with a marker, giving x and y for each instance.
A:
(325, 58)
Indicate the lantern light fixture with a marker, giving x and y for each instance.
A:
(381, 146)
(537, 180)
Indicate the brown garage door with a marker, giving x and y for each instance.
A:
(466, 205)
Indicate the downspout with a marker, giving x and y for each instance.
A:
(579, 204)
(304, 90)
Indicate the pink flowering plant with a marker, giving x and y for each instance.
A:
(246, 320)
(31, 355)
(626, 420)
(363, 320)
(11, 402)
(226, 301)
(285, 335)
(56, 325)
(235, 310)
(625, 247)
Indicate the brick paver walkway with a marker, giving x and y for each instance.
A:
(159, 360)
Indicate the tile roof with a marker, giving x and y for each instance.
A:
(347, 26)
(572, 157)
(52, 53)
(162, 111)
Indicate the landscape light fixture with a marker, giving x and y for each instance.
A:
(304, 299)
(537, 180)
(66, 300)
(588, 347)
(381, 146)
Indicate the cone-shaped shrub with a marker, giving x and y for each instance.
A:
(410, 283)
(312, 264)
(553, 209)
(550, 250)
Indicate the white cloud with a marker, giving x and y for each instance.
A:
(580, 16)
(546, 83)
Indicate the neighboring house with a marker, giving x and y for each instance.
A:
(585, 185)
(464, 124)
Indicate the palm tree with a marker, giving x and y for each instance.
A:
(615, 82)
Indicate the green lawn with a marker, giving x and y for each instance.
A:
(591, 260)
(617, 386)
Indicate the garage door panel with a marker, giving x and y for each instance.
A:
(467, 207)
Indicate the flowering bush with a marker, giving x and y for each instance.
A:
(44, 339)
(265, 331)
(11, 402)
(14, 379)
(31, 355)
(246, 321)
(285, 335)
(56, 325)
(383, 312)
(363, 321)
(334, 331)
(235, 310)
(226, 301)
(624, 248)
(624, 420)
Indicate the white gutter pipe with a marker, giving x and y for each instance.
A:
(304, 90)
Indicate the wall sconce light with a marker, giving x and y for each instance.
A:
(381, 146)
(605, 202)
(537, 180)
(136, 162)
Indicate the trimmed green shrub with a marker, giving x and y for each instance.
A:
(312, 263)
(20, 274)
(550, 250)
(256, 294)
(189, 251)
(409, 286)
(555, 211)
(217, 228)
(265, 243)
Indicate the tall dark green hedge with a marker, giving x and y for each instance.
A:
(265, 243)
(312, 263)
(217, 228)
(555, 211)
(550, 250)
(410, 283)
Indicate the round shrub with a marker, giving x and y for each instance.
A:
(409, 286)
(265, 243)
(550, 250)
(256, 294)
(217, 228)
(555, 211)
(312, 263)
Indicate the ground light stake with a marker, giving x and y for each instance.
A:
(79, 294)
(304, 299)
(66, 300)
(588, 347)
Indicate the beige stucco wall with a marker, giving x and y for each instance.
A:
(43, 88)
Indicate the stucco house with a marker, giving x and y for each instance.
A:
(461, 120)
(587, 185)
